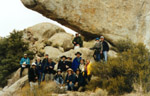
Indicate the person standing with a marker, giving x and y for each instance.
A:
(82, 65)
(25, 63)
(77, 41)
(76, 61)
(98, 47)
(62, 65)
(33, 76)
(88, 70)
(51, 68)
(44, 64)
(38, 63)
(105, 48)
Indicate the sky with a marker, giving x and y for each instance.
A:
(14, 15)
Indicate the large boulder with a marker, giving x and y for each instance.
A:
(63, 40)
(53, 52)
(9, 91)
(115, 19)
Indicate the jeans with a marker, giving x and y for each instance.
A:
(98, 57)
(105, 56)
(43, 76)
(22, 68)
(39, 78)
(70, 87)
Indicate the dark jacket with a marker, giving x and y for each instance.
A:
(32, 74)
(52, 64)
(105, 46)
(78, 40)
(44, 64)
(69, 63)
(71, 78)
(80, 80)
(62, 65)
(39, 67)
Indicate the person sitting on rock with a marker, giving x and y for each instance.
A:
(58, 78)
(98, 47)
(79, 82)
(62, 65)
(70, 80)
(82, 65)
(78, 41)
(44, 64)
(38, 63)
(33, 76)
(76, 61)
(25, 63)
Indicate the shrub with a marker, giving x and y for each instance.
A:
(119, 74)
(11, 50)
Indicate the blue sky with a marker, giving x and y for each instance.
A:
(13, 15)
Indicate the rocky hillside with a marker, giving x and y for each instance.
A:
(115, 19)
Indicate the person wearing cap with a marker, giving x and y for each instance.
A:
(25, 63)
(62, 65)
(77, 41)
(70, 80)
(98, 47)
(58, 78)
(33, 76)
(79, 82)
(44, 64)
(38, 63)
(76, 61)
(105, 48)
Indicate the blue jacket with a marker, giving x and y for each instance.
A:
(27, 60)
(71, 78)
(76, 63)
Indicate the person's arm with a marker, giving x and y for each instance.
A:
(28, 61)
(21, 61)
(101, 47)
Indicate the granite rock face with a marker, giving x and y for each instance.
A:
(115, 19)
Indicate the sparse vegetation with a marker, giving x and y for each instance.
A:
(119, 74)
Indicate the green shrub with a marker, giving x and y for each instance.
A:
(119, 74)
(11, 50)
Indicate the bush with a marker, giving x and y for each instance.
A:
(11, 50)
(119, 74)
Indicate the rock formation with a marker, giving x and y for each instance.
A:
(115, 19)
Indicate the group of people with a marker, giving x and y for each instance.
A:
(67, 73)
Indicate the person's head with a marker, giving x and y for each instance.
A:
(63, 58)
(82, 61)
(78, 54)
(59, 71)
(77, 71)
(38, 59)
(77, 35)
(69, 58)
(70, 71)
(33, 65)
(50, 60)
(46, 56)
(102, 38)
(25, 55)
(87, 61)
(97, 39)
